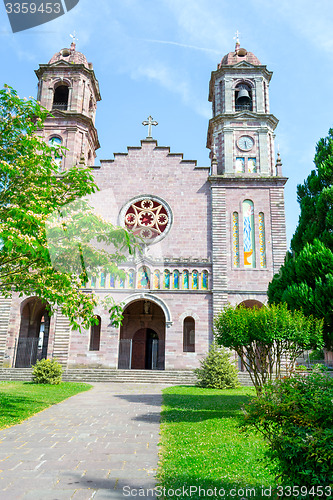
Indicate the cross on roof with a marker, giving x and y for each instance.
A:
(150, 121)
(237, 36)
(74, 37)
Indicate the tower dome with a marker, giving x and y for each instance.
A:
(72, 56)
(239, 55)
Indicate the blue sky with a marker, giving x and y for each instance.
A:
(155, 58)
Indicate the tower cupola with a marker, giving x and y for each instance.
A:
(68, 88)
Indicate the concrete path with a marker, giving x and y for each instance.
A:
(91, 446)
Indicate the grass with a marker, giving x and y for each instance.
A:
(21, 400)
(201, 445)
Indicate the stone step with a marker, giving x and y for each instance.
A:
(172, 377)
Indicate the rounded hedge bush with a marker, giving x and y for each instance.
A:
(47, 371)
(217, 371)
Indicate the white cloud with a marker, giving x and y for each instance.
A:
(166, 77)
(312, 20)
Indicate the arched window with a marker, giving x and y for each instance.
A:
(204, 280)
(262, 242)
(95, 336)
(131, 278)
(195, 280)
(243, 97)
(120, 283)
(93, 281)
(248, 234)
(157, 279)
(185, 280)
(144, 278)
(56, 142)
(60, 99)
(103, 278)
(175, 281)
(166, 279)
(112, 281)
(189, 335)
(235, 239)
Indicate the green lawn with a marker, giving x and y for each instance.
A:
(20, 400)
(202, 446)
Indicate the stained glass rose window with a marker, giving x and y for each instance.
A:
(148, 217)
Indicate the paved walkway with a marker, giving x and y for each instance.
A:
(90, 446)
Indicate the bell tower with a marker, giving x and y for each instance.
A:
(248, 219)
(68, 88)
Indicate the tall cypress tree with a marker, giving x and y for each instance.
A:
(305, 281)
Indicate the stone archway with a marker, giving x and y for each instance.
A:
(32, 343)
(142, 337)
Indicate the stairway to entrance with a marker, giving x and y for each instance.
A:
(168, 377)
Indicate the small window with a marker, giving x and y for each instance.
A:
(185, 279)
(189, 335)
(252, 165)
(166, 279)
(95, 336)
(240, 164)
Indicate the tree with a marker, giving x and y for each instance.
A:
(217, 370)
(51, 239)
(267, 338)
(305, 281)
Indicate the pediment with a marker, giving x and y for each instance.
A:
(246, 114)
(61, 62)
(243, 64)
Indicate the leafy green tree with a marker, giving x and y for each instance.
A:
(305, 281)
(51, 239)
(266, 338)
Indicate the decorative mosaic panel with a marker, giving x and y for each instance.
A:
(262, 240)
(235, 239)
(166, 279)
(248, 234)
(175, 280)
(195, 281)
(157, 279)
(185, 280)
(240, 165)
(204, 280)
(144, 278)
(252, 165)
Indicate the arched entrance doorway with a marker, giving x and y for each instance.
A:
(142, 337)
(33, 338)
(250, 303)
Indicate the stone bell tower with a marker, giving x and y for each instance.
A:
(68, 88)
(248, 219)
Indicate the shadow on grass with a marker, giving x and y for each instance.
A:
(196, 408)
(177, 487)
(14, 408)
(198, 488)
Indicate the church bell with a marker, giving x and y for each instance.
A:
(243, 97)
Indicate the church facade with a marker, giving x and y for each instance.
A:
(212, 235)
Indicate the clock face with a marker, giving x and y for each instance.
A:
(245, 143)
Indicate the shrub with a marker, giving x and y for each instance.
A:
(295, 415)
(217, 371)
(47, 371)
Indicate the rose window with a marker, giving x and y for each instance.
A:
(148, 219)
